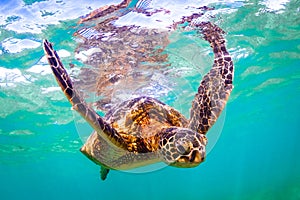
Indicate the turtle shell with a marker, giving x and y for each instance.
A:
(139, 122)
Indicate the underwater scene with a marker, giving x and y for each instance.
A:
(117, 50)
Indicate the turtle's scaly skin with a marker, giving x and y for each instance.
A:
(215, 86)
(144, 130)
(103, 128)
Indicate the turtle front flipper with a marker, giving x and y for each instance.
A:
(104, 130)
(216, 85)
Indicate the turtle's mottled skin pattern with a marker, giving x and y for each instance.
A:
(215, 86)
(78, 104)
(144, 130)
(182, 149)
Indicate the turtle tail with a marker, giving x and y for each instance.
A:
(103, 173)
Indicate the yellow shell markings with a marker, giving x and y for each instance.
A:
(143, 118)
(143, 130)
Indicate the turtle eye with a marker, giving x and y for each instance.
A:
(184, 147)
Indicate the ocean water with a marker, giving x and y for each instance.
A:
(254, 148)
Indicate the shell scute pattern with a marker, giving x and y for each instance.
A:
(144, 117)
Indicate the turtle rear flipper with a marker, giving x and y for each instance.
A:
(103, 173)
(215, 86)
(104, 130)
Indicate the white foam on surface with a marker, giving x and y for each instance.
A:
(10, 77)
(14, 45)
(50, 89)
(62, 53)
(34, 18)
(273, 5)
(40, 69)
(175, 10)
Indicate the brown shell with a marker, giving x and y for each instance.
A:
(140, 120)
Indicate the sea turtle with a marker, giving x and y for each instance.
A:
(143, 130)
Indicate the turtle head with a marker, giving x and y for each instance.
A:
(182, 147)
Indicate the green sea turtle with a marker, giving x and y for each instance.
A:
(144, 130)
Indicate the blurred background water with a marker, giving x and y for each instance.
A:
(255, 157)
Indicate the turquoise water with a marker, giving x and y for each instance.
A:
(255, 157)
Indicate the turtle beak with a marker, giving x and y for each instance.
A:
(188, 161)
